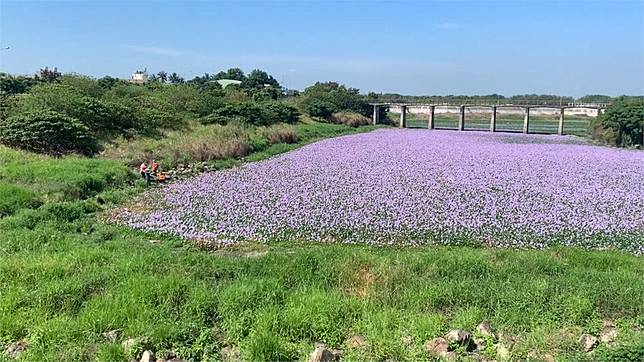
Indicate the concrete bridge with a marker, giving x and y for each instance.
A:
(431, 109)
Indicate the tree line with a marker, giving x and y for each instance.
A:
(57, 113)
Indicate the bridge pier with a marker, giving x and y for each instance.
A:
(376, 114)
(430, 123)
(526, 120)
(461, 119)
(403, 117)
(493, 120)
(561, 121)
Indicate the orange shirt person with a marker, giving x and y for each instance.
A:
(155, 166)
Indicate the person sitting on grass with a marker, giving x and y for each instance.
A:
(143, 169)
(155, 167)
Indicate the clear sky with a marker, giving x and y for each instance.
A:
(571, 48)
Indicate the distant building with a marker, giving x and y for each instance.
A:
(226, 82)
(140, 77)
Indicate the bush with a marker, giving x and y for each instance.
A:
(622, 124)
(350, 119)
(281, 112)
(47, 132)
(324, 99)
(258, 114)
(318, 108)
(14, 198)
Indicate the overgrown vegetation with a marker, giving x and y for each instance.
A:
(67, 278)
(622, 123)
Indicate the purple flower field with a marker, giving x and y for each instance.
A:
(413, 187)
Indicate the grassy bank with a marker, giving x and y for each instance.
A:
(66, 279)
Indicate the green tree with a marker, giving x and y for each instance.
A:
(48, 76)
(175, 78)
(10, 84)
(232, 73)
(321, 99)
(47, 132)
(162, 76)
(622, 122)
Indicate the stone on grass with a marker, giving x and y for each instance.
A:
(321, 354)
(588, 342)
(608, 333)
(230, 354)
(486, 330)
(437, 347)
(147, 356)
(111, 336)
(128, 343)
(356, 341)
(502, 352)
(15, 349)
(460, 337)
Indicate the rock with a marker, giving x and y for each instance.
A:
(15, 349)
(463, 338)
(111, 336)
(161, 360)
(450, 356)
(407, 341)
(175, 360)
(479, 343)
(608, 333)
(321, 354)
(230, 354)
(548, 358)
(502, 353)
(147, 356)
(356, 342)
(485, 330)
(587, 342)
(437, 347)
(128, 344)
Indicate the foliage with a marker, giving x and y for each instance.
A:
(93, 278)
(324, 99)
(47, 132)
(252, 113)
(48, 75)
(621, 124)
(14, 198)
(10, 84)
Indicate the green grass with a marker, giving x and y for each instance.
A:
(575, 125)
(66, 278)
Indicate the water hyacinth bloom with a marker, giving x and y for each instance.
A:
(416, 187)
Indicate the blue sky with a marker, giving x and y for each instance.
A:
(571, 48)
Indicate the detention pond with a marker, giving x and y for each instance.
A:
(415, 187)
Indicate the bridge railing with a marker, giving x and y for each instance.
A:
(431, 119)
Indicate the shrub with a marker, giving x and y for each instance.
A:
(622, 124)
(14, 198)
(318, 108)
(47, 132)
(323, 99)
(258, 114)
(281, 112)
(350, 119)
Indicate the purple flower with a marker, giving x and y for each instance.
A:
(417, 187)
